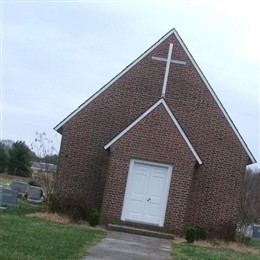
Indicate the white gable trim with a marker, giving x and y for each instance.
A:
(215, 98)
(182, 133)
(175, 122)
(173, 31)
(57, 127)
(133, 124)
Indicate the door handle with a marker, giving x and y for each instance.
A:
(149, 199)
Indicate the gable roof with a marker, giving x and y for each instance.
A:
(173, 31)
(174, 120)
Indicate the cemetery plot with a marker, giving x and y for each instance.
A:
(35, 194)
(19, 186)
(255, 232)
(18, 189)
(8, 197)
(1, 198)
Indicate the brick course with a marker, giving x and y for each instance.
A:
(207, 195)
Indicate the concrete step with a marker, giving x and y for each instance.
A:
(138, 231)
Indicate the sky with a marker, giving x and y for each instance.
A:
(56, 54)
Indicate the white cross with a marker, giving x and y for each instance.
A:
(168, 62)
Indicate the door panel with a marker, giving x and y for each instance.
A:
(138, 191)
(155, 194)
(146, 193)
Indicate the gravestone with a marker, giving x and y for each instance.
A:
(19, 186)
(255, 232)
(1, 197)
(35, 194)
(9, 198)
(246, 230)
(7, 186)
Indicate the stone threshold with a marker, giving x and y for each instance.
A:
(139, 231)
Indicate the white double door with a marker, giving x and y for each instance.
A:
(147, 192)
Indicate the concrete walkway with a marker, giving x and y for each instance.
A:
(124, 246)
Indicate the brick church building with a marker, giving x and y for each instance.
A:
(155, 147)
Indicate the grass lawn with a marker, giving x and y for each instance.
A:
(26, 238)
(185, 251)
(5, 180)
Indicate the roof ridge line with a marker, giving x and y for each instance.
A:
(109, 83)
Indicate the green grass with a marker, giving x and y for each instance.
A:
(27, 238)
(187, 251)
(5, 180)
(256, 245)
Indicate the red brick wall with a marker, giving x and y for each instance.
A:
(154, 139)
(83, 162)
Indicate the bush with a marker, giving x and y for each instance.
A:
(3, 158)
(241, 238)
(93, 218)
(19, 172)
(190, 234)
(19, 159)
(201, 233)
(226, 231)
(74, 206)
(195, 233)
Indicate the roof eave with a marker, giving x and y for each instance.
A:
(85, 103)
(174, 120)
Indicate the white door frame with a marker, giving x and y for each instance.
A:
(128, 188)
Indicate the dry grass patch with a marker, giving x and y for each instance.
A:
(8, 179)
(218, 244)
(53, 217)
(62, 219)
(241, 248)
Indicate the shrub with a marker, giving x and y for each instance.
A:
(74, 206)
(195, 233)
(19, 172)
(190, 234)
(2, 169)
(93, 218)
(3, 158)
(241, 238)
(201, 233)
(19, 159)
(226, 231)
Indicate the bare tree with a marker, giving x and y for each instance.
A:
(250, 200)
(43, 147)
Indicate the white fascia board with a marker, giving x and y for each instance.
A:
(184, 136)
(133, 124)
(57, 127)
(173, 31)
(175, 122)
(215, 98)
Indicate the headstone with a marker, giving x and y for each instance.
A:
(19, 186)
(1, 197)
(255, 232)
(35, 195)
(7, 186)
(9, 198)
(246, 230)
